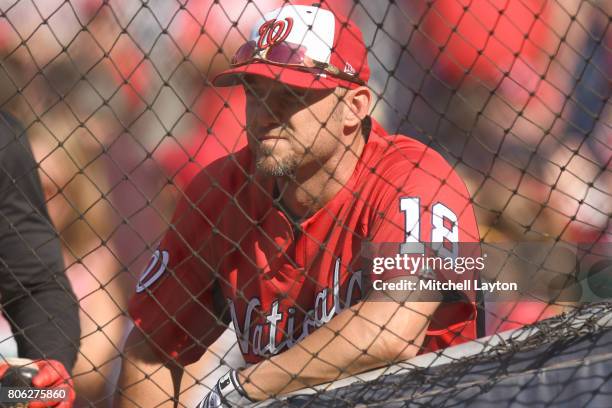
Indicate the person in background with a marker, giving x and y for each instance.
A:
(35, 295)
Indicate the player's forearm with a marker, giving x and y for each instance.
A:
(322, 357)
(352, 342)
(136, 391)
(144, 380)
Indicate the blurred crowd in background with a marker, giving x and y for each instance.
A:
(116, 99)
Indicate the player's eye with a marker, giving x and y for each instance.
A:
(292, 97)
(250, 92)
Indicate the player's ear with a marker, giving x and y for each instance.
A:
(358, 103)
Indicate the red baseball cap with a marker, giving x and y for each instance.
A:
(311, 33)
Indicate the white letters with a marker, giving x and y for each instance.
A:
(316, 317)
(273, 318)
(243, 335)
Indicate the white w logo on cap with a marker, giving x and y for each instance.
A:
(274, 31)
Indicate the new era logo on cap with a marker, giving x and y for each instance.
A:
(348, 69)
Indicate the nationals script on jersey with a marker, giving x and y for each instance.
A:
(233, 254)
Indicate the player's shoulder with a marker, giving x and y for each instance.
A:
(401, 166)
(402, 158)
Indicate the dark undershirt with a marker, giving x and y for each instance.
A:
(294, 220)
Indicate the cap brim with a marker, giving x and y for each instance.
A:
(286, 75)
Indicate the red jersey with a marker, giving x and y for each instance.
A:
(279, 283)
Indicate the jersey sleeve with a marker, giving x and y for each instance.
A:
(177, 302)
(424, 203)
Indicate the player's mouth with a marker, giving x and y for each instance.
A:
(271, 132)
(269, 137)
(267, 134)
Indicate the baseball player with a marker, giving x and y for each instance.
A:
(270, 238)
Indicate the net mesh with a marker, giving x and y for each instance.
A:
(546, 364)
(117, 103)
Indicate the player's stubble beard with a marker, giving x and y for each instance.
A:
(269, 164)
(286, 166)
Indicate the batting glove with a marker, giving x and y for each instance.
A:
(53, 374)
(227, 393)
(49, 374)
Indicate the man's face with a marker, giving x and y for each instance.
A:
(290, 128)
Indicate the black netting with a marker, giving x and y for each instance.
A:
(499, 116)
